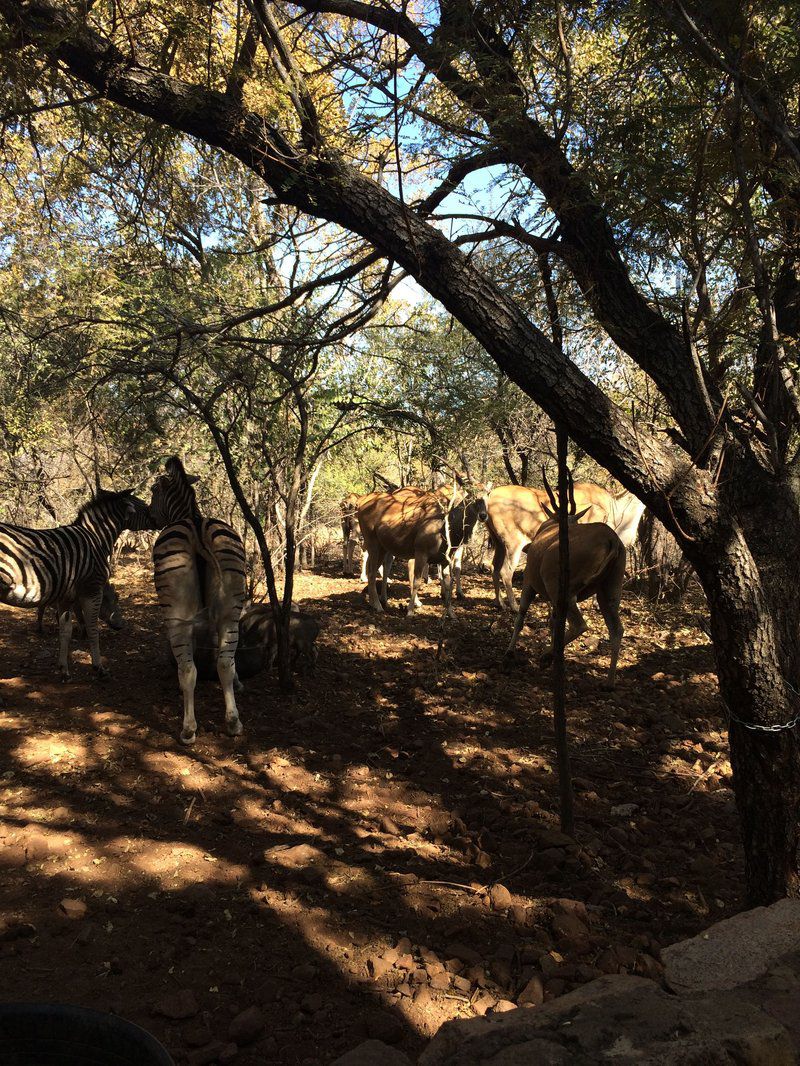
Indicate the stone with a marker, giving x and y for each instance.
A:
(734, 951)
(298, 857)
(373, 1053)
(228, 1054)
(625, 810)
(501, 899)
(74, 909)
(532, 995)
(13, 855)
(179, 1005)
(37, 847)
(626, 1020)
(246, 1026)
(204, 1056)
(440, 981)
(377, 967)
(502, 1006)
(381, 1025)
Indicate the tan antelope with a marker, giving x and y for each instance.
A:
(516, 514)
(418, 525)
(596, 568)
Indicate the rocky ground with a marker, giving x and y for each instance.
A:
(379, 852)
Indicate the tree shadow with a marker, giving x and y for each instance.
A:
(410, 784)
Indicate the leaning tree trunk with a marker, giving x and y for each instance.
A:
(752, 590)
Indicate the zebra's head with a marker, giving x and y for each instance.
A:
(117, 511)
(173, 494)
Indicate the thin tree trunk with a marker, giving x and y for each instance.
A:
(559, 662)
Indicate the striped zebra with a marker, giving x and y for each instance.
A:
(199, 573)
(68, 566)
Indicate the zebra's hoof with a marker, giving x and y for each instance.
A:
(235, 728)
(188, 737)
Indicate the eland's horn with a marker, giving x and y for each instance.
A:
(549, 490)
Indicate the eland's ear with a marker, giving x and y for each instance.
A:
(488, 487)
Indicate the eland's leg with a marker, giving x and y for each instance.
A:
(414, 579)
(373, 562)
(608, 602)
(388, 563)
(364, 565)
(528, 596)
(447, 590)
(509, 565)
(576, 625)
(415, 568)
(458, 558)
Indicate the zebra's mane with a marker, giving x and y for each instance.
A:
(101, 497)
(181, 480)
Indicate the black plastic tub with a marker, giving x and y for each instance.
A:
(44, 1034)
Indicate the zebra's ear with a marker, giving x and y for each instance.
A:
(192, 479)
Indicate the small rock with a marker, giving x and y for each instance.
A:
(373, 1053)
(502, 1006)
(13, 855)
(624, 810)
(377, 967)
(404, 962)
(297, 857)
(36, 847)
(388, 825)
(402, 947)
(203, 1056)
(500, 897)
(74, 909)
(532, 994)
(228, 1054)
(15, 930)
(468, 955)
(462, 984)
(482, 1002)
(440, 981)
(246, 1026)
(384, 1026)
(178, 1005)
(197, 1035)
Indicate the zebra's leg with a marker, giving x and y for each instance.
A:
(40, 618)
(228, 633)
(89, 607)
(64, 637)
(179, 632)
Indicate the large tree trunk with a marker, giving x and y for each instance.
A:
(751, 582)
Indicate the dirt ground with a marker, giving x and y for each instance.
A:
(379, 852)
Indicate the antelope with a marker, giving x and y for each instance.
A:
(420, 526)
(596, 568)
(516, 514)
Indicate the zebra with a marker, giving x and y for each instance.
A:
(110, 612)
(68, 566)
(199, 571)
